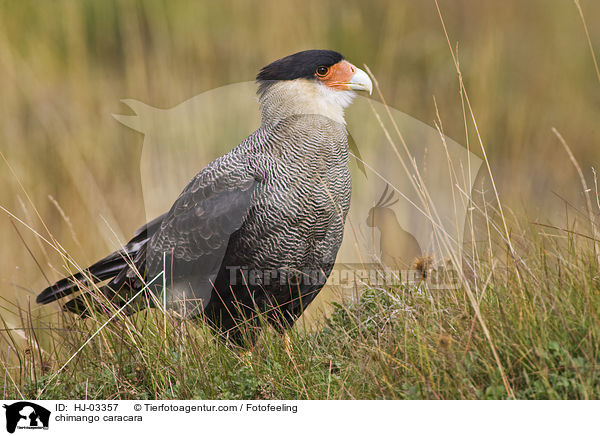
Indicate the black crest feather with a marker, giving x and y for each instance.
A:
(298, 65)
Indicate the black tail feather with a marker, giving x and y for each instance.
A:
(104, 269)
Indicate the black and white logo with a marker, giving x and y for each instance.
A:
(26, 415)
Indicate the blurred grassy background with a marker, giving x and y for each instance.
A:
(65, 65)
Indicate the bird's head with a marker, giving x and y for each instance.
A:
(310, 82)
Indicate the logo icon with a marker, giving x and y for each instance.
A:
(26, 415)
(411, 185)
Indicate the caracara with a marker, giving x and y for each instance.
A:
(255, 234)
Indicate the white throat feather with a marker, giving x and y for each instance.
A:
(281, 99)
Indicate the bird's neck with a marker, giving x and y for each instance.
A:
(281, 100)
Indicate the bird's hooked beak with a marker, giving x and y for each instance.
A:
(361, 81)
(345, 76)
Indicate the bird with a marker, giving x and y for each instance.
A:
(254, 235)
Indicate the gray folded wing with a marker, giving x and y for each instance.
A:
(191, 243)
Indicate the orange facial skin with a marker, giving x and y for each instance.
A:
(338, 75)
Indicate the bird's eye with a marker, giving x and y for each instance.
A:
(322, 71)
